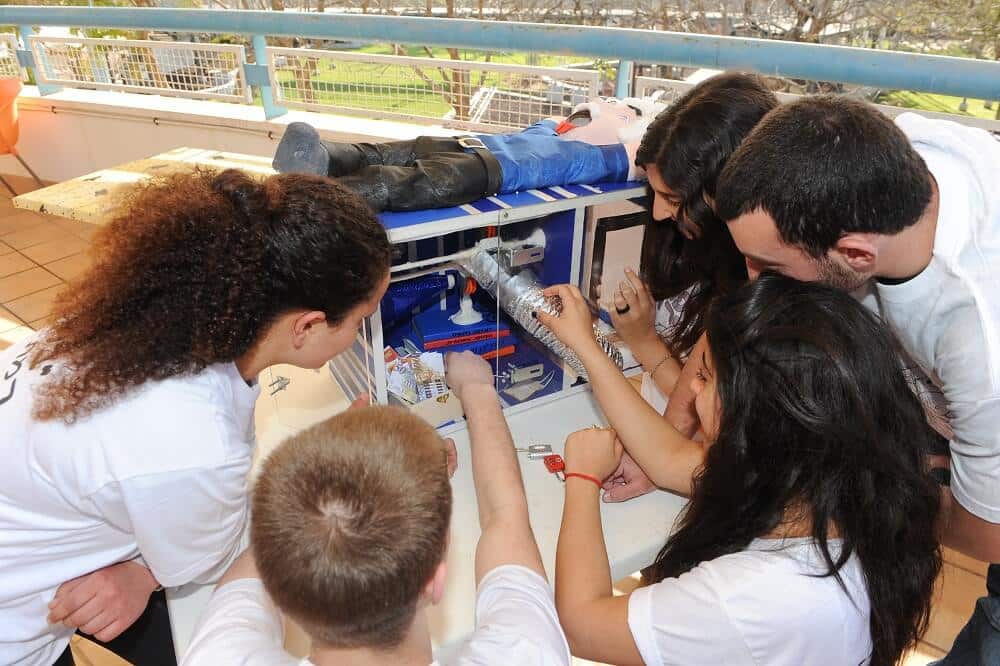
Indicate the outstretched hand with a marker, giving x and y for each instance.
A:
(465, 369)
(574, 325)
(593, 451)
(634, 312)
(627, 482)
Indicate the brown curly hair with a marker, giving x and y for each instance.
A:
(194, 270)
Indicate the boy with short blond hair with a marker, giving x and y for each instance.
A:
(349, 533)
(359, 502)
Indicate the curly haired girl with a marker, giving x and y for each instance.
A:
(128, 423)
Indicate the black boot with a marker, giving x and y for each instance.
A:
(344, 158)
(302, 151)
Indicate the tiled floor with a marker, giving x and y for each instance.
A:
(40, 253)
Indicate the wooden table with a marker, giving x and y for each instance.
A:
(95, 197)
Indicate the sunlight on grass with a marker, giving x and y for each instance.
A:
(941, 103)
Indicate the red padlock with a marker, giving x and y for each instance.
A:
(555, 464)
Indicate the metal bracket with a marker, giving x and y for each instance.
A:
(257, 75)
(263, 81)
(279, 384)
(521, 255)
(27, 32)
(25, 58)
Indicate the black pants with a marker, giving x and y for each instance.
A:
(428, 172)
(148, 642)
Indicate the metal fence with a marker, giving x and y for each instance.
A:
(10, 68)
(668, 90)
(493, 98)
(179, 69)
(463, 94)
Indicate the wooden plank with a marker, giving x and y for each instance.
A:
(954, 601)
(95, 197)
(965, 562)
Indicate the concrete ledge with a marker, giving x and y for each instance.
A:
(73, 132)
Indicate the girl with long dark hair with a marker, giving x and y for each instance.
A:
(688, 257)
(810, 535)
(128, 425)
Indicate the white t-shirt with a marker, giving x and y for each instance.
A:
(929, 393)
(948, 317)
(764, 605)
(161, 474)
(516, 623)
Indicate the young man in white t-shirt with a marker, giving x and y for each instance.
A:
(348, 537)
(830, 189)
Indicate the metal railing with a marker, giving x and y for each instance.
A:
(668, 90)
(976, 79)
(463, 94)
(10, 67)
(182, 69)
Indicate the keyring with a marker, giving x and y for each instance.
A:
(623, 310)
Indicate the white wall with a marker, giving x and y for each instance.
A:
(74, 132)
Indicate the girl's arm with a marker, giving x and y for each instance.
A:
(595, 621)
(667, 457)
(503, 508)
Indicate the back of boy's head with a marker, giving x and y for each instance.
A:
(350, 522)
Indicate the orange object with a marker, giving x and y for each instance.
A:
(9, 90)
(9, 128)
(565, 126)
(499, 353)
(555, 464)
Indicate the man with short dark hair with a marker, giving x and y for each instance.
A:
(830, 189)
(349, 532)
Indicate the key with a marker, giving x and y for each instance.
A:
(535, 451)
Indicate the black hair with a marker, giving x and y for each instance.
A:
(825, 166)
(816, 416)
(689, 144)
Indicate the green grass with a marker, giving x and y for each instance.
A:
(338, 85)
(395, 88)
(941, 103)
(535, 59)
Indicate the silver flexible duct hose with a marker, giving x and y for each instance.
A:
(521, 294)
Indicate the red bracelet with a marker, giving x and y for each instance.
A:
(588, 477)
